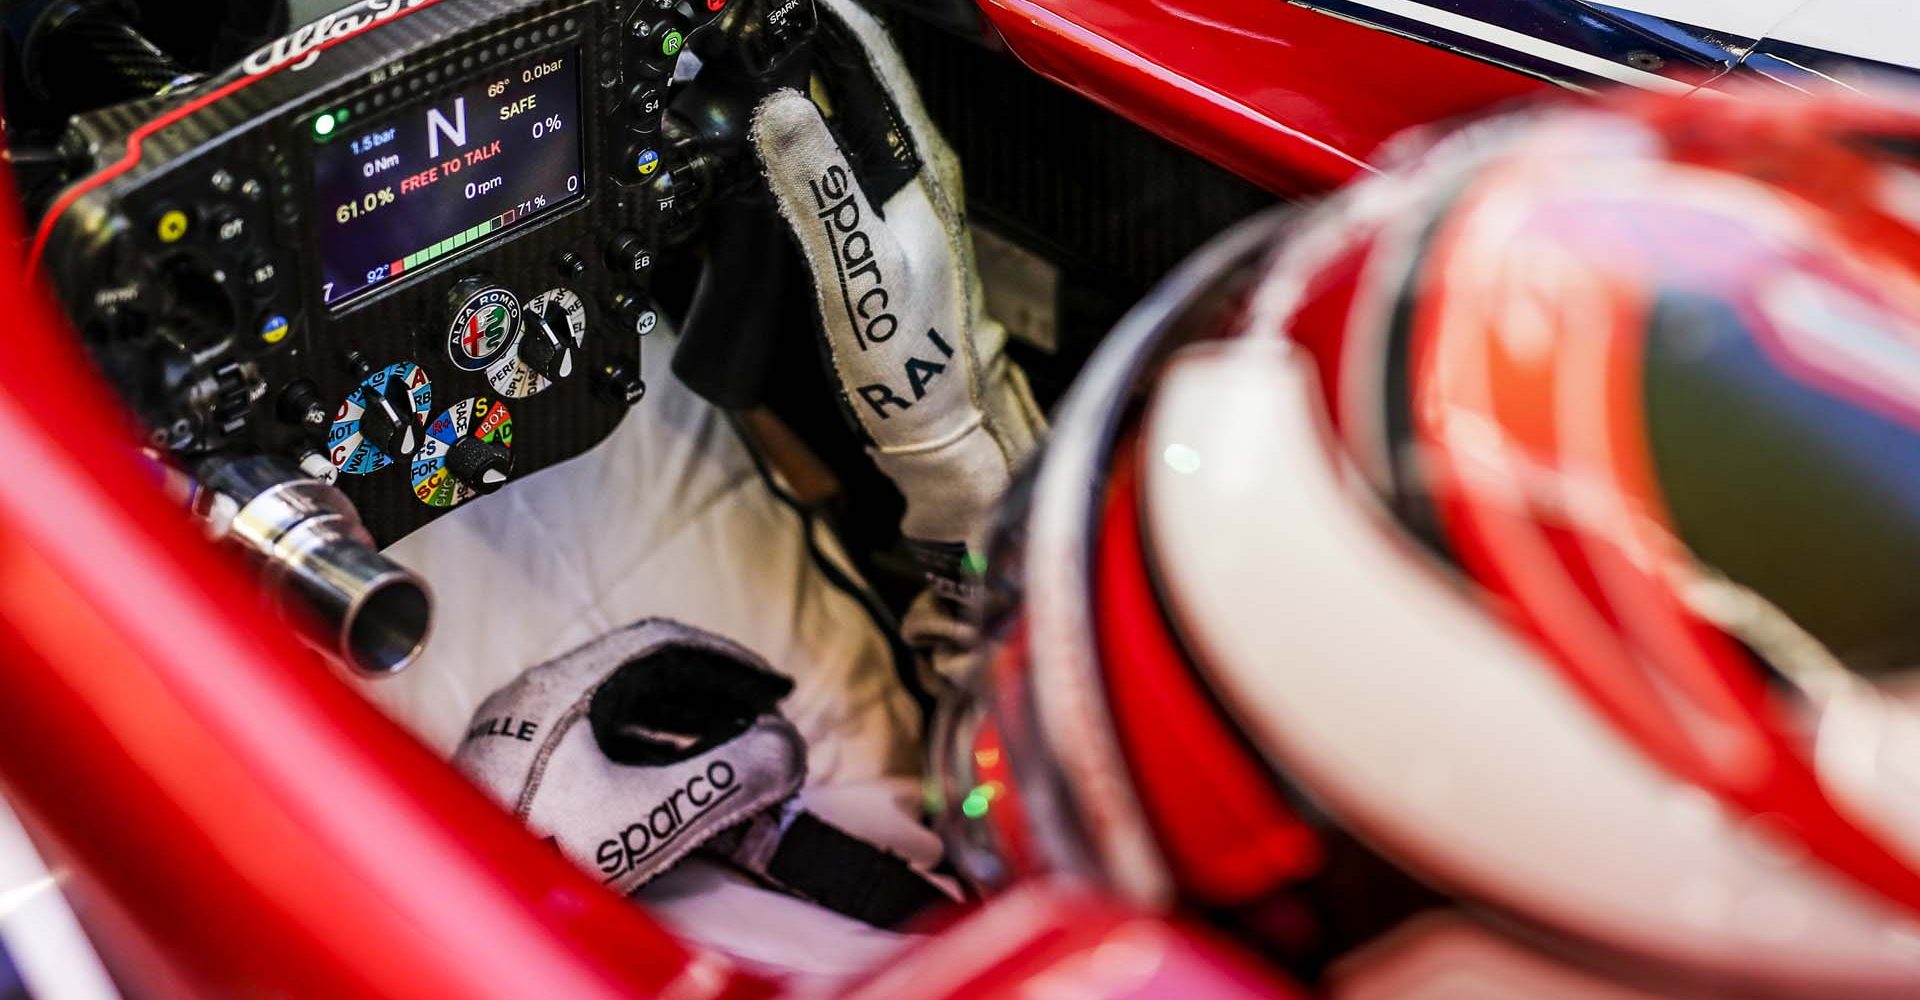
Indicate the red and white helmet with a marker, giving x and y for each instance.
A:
(1500, 581)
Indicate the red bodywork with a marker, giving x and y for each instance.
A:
(233, 820)
(1289, 98)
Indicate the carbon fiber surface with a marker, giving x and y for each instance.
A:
(255, 126)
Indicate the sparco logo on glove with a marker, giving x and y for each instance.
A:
(921, 364)
(653, 740)
(658, 741)
(635, 845)
(864, 294)
(853, 259)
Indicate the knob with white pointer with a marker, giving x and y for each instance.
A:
(547, 342)
(378, 424)
(469, 453)
(390, 424)
(551, 344)
(483, 466)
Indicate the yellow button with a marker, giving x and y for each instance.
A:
(274, 329)
(173, 226)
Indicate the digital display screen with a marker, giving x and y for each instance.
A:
(445, 175)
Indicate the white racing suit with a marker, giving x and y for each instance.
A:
(671, 519)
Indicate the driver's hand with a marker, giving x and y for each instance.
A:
(922, 366)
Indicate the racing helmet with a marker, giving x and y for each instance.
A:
(1499, 580)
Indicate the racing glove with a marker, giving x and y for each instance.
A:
(658, 741)
(921, 366)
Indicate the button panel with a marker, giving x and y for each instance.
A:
(656, 33)
(216, 227)
(209, 268)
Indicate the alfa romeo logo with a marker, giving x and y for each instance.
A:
(483, 329)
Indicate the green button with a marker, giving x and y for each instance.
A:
(670, 43)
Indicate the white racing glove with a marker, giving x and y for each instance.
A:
(657, 741)
(921, 365)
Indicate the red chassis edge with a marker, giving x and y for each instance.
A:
(231, 819)
(1290, 98)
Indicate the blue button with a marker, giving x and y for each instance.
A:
(274, 329)
(646, 162)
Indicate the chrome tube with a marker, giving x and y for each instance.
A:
(318, 562)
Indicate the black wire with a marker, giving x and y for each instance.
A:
(905, 664)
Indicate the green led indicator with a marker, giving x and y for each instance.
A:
(329, 122)
(979, 800)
